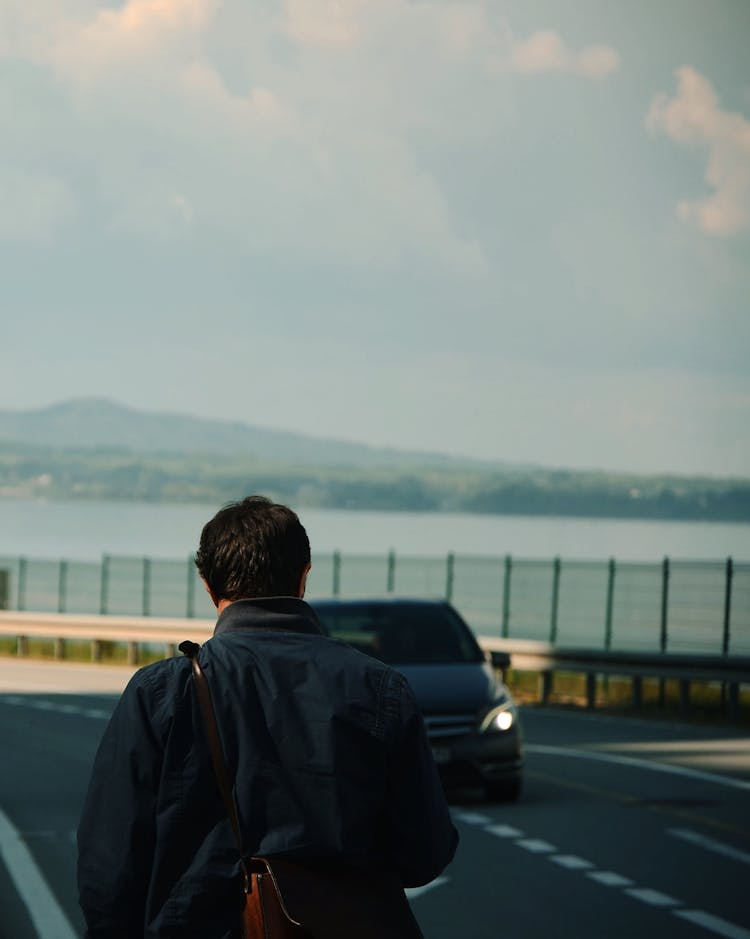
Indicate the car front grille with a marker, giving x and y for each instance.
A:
(449, 725)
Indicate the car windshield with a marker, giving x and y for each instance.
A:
(401, 634)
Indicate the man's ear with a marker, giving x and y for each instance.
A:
(303, 581)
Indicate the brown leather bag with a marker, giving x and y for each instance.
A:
(286, 899)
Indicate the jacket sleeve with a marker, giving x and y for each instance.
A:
(116, 835)
(424, 837)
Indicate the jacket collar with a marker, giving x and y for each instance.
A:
(287, 613)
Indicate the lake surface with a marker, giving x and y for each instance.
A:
(86, 530)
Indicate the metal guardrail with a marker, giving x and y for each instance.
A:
(547, 660)
(523, 655)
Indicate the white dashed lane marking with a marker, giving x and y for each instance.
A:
(720, 926)
(536, 845)
(609, 879)
(472, 818)
(571, 862)
(647, 895)
(504, 831)
(652, 897)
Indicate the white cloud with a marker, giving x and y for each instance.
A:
(693, 118)
(34, 205)
(271, 120)
(546, 51)
(324, 23)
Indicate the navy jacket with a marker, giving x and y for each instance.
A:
(330, 761)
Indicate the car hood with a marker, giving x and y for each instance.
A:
(454, 688)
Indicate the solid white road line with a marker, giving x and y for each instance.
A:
(412, 892)
(720, 926)
(652, 897)
(640, 764)
(609, 879)
(44, 911)
(710, 844)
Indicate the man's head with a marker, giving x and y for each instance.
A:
(253, 548)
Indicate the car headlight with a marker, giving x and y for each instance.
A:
(499, 718)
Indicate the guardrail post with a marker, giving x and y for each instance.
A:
(62, 587)
(170, 650)
(684, 695)
(591, 690)
(59, 648)
(104, 588)
(336, 573)
(132, 653)
(545, 686)
(21, 599)
(508, 568)
(663, 629)
(96, 650)
(22, 646)
(610, 604)
(450, 563)
(146, 605)
(4, 589)
(391, 578)
(733, 706)
(727, 606)
(555, 601)
(637, 692)
(191, 577)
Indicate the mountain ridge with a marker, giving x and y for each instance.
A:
(96, 423)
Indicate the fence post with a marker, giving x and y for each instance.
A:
(664, 615)
(190, 605)
(727, 606)
(610, 604)
(450, 563)
(555, 601)
(508, 567)
(22, 565)
(391, 581)
(336, 573)
(664, 604)
(146, 605)
(62, 587)
(103, 592)
(4, 589)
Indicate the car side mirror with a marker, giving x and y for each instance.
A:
(500, 660)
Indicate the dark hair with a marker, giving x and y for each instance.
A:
(253, 548)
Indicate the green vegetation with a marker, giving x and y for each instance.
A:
(28, 471)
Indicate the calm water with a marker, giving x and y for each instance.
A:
(86, 530)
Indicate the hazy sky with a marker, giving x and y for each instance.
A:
(510, 230)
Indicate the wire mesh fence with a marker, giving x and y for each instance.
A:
(681, 606)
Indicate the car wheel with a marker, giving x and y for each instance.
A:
(506, 791)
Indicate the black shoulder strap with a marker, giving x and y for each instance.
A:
(191, 650)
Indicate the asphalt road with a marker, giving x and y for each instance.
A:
(626, 828)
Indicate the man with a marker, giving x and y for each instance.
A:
(325, 746)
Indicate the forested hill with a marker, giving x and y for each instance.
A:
(27, 471)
